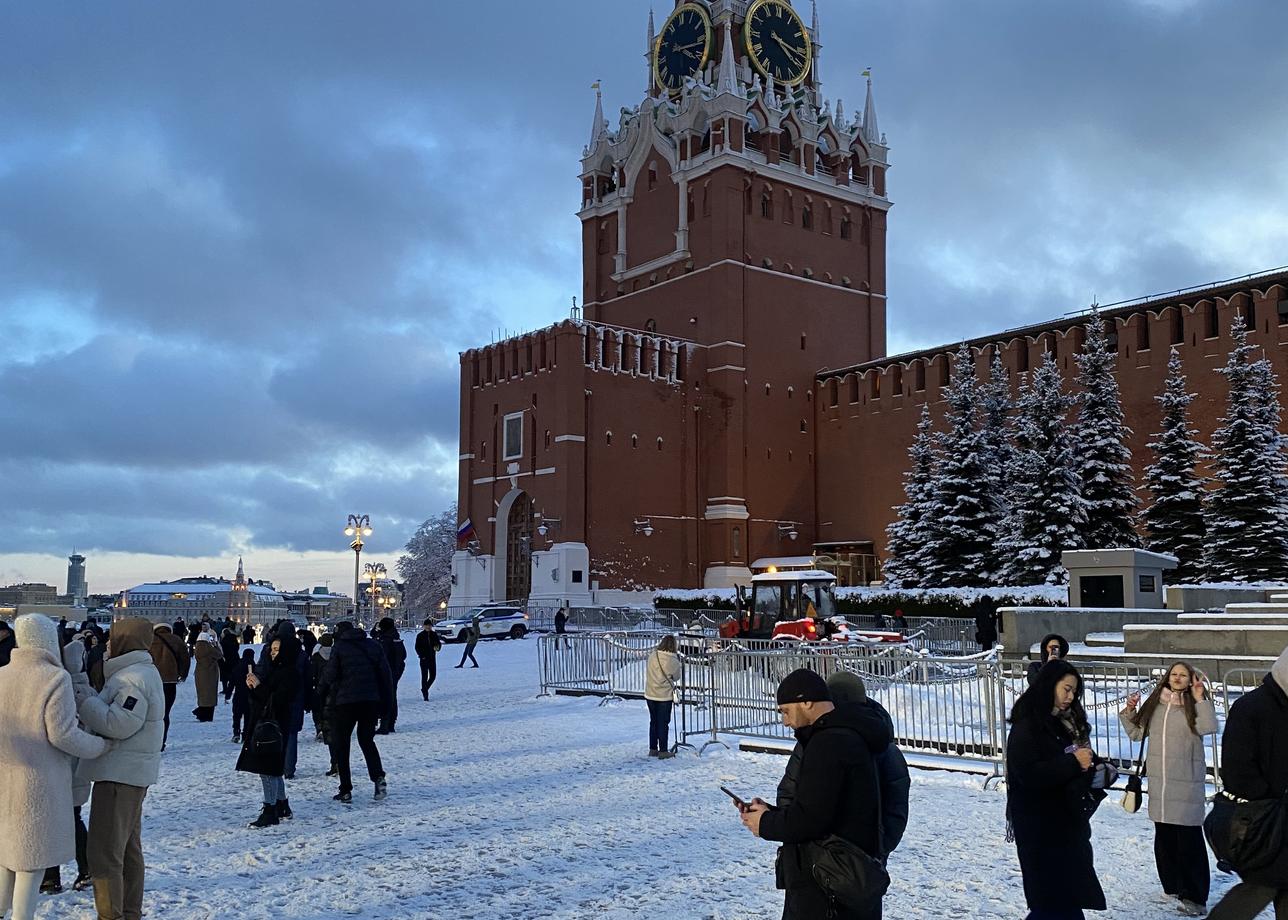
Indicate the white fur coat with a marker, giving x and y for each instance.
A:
(37, 747)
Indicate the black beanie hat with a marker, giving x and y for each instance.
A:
(803, 686)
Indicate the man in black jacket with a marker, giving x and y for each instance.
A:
(357, 674)
(848, 691)
(836, 792)
(396, 654)
(1256, 730)
(427, 646)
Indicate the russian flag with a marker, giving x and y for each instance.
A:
(465, 530)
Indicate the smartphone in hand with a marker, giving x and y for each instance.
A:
(742, 806)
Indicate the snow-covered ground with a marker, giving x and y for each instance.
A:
(503, 805)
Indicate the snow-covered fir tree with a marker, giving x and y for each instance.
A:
(1245, 513)
(907, 535)
(1046, 505)
(1103, 458)
(995, 405)
(1174, 519)
(963, 514)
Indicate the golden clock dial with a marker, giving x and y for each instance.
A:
(683, 47)
(778, 42)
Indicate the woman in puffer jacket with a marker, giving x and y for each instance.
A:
(38, 746)
(1175, 719)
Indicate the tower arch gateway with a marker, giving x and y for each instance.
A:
(512, 571)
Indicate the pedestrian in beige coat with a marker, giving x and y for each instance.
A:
(37, 747)
(207, 654)
(1175, 718)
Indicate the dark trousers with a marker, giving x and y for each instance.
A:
(1056, 913)
(390, 716)
(226, 679)
(240, 712)
(469, 652)
(428, 671)
(54, 874)
(363, 716)
(169, 690)
(1181, 855)
(659, 724)
(1245, 901)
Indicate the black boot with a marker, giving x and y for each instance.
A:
(382, 789)
(267, 817)
(52, 883)
(284, 810)
(344, 796)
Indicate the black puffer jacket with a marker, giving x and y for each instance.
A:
(1254, 760)
(357, 671)
(892, 773)
(1036, 666)
(395, 652)
(836, 789)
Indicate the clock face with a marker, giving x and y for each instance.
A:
(777, 41)
(683, 48)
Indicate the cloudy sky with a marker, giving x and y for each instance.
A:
(242, 244)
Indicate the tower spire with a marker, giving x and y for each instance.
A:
(600, 125)
(648, 53)
(728, 81)
(871, 131)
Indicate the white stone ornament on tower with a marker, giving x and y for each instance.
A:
(600, 126)
(728, 80)
(871, 131)
(648, 54)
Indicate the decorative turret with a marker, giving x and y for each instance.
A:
(728, 80)
(871, 130)
(599, 127)
(648, 54)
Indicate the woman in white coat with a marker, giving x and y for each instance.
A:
(37, 747)
(1175, 719)
(661, 676)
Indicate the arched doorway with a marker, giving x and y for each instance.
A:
(518, 549)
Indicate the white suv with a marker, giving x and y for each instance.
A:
(494, 623)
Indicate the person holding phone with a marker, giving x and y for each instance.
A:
(1175, 718)
(661, 677)
(1054, 647)
(1051, 769)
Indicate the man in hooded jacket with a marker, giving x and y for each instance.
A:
(130, 709)
(836, 792)
(1254, 766)
(172, 661)
(1054, 647)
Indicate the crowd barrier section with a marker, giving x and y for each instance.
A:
(948, 706)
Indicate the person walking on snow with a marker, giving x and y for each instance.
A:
(228, 651)
(207, 654)
(170, 656)
(396, 654)
(241, 693)
(1254, 765)
(130, 710)
(661, 677)
(1172, 723)
(472, 639)
(38, 746)
(427, 647)
(358, 677)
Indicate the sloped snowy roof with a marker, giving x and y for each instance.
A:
(170, 588)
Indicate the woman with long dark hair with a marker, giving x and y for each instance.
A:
(1174, 718)
(1051, 770)
(272, 698)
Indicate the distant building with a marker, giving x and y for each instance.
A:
(76, 588)
(318, 604)
(28, 593)
(190, 598)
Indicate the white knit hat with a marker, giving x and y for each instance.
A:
(35, 630)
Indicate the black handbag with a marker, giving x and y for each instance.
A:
(1244, 834)
(846, 873)
(1132, 797)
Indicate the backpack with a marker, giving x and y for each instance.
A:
(266, 741)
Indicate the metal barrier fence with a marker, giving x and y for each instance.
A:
(949, 706)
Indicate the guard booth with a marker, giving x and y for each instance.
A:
(1116, 578)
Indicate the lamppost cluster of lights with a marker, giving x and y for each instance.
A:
(359, 526)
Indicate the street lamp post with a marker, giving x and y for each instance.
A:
(359, 526)
(374, 571)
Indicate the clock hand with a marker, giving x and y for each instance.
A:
(687, 47)
(792, 52)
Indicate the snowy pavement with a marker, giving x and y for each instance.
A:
(503, 805)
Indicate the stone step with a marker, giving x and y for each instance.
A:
(1238, 609)
(1233, 619)
(1213, 639)
(1104, 640)
(1215, 666)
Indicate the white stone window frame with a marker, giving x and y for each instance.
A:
(512, 449)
